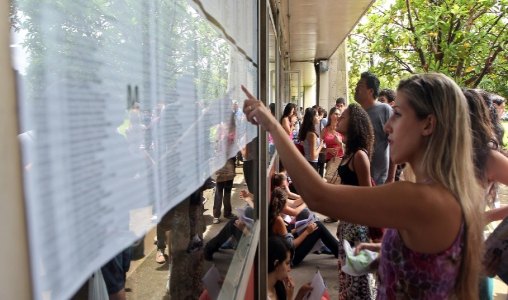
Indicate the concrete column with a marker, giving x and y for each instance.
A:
(324, 89)
(338, 76)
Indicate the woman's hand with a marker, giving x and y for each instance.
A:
(303, 291)
(244, 194)
(239, 224)
(311, 228)
(332, 151)
(256, 112)
(289, 284)
(247, 197)
(375, 247)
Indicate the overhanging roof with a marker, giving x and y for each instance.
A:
(317, 27)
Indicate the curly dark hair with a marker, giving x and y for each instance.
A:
(360, 133)
(308, 123)
(277, 203)
(388, 93)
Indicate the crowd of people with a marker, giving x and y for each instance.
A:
(406, 159)
(394, 170)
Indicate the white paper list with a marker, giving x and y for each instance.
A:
(129, 109)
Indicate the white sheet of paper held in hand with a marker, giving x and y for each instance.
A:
(211, 281)
(318, 287)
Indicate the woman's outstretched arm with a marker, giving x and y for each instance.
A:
(418, 209)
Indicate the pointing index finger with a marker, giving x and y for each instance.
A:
(247, 93)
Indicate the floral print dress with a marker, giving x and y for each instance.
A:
(353, 287)
(406, 274)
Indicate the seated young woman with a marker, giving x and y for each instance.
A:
(302, 240)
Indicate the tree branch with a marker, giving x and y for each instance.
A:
(395, 72)
(451, 30)
(495, 22)
(475, 80)
(362, 37)
(460, 67)
(405, 65)
(421, 55)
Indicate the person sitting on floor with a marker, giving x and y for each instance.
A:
(234, 228)
(304, 237)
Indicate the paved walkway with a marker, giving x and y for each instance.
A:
(147, 279)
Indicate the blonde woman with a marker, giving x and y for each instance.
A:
(434, 225)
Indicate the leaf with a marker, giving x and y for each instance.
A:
(469, 69)
(440, 28)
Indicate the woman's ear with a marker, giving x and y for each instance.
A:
(275, 263)
(429, 125)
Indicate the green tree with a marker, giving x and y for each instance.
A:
(464, 39)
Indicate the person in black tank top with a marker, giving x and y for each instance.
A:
(347, 176)
(356, 127)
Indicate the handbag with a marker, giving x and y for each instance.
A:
(331, 175)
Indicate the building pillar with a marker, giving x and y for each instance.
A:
(337, 77)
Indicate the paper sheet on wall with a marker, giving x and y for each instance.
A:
(127, 114)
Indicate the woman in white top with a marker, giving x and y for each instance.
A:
(309, 137)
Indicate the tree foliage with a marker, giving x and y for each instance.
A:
(464, 39)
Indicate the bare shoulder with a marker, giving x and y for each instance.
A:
(278, 226)
(429, 195)
(360, 156)
(279, 221)
(361, 160)
(434, 211)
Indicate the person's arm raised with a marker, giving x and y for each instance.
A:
(401, 205)
(295, 163)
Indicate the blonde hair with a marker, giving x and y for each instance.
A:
(448, 160)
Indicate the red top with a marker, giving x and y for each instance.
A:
(333, 139)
